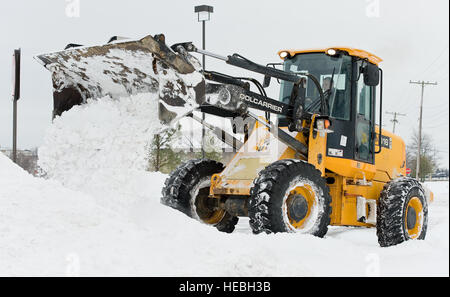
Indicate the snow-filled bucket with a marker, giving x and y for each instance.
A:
(123, 68)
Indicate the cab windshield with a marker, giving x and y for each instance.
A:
(334, 75)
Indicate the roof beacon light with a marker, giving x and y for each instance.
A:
(284, 55)
(331, 52)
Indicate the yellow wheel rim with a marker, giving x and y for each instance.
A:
(205, 211)
(215, 218)
(414, 217)
(299, 204)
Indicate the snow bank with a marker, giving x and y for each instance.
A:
(101, 148)
(47, 229)
(40, 220)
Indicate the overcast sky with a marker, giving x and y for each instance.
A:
(410, 36)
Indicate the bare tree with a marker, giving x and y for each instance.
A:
(429, 155)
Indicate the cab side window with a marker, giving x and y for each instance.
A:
(364, 106)
(364, 100)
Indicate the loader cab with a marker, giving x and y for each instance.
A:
(349, 79)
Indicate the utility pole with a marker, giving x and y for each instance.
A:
(394, 120)
(423, 84)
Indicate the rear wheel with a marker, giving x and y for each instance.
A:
(187, 190)
(290, 196)
(402, 212)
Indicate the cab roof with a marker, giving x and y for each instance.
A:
(351, 51)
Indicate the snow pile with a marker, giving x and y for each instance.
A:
(47, 229)
(40, 219)
(101, 147)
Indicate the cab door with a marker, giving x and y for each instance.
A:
(364, 122)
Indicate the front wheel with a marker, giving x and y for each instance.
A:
(290, 196)
(402, 212)
(187, 190)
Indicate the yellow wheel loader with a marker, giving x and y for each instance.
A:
(320, 160)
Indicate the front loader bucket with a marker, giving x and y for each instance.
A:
(126, 68)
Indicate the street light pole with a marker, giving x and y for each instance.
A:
(203, 13)
(203, 63)
(16, 96)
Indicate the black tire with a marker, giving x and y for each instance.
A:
(393, 208)
(189, 183)
(269, 195)
(227, 224)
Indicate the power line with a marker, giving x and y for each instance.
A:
(440, 125)
(394, 120)
(437, 106)
(436, 115)
(444, 77)
(423, 84)
(440, 71)
(435, 60)
(401, 102)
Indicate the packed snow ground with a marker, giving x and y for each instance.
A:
(99, 215)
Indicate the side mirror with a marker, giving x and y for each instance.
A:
(266, 81)
(371, 75)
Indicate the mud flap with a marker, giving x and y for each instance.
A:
(125, 68)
